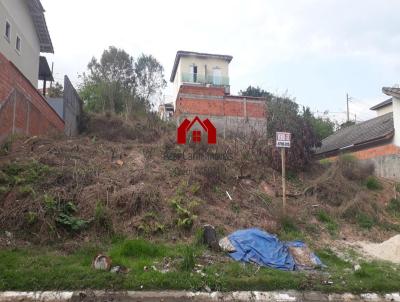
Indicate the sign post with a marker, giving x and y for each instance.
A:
(283, 142)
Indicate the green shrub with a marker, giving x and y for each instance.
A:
(373, 183)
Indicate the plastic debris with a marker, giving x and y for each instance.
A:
(119, 269)
(255, 245)
(226, 245)
(102, 262)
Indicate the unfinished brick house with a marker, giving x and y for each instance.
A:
(24, 35)
(201, 88)
(376, 140)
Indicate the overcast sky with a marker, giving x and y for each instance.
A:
(316, 50)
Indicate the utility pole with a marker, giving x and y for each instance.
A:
(348, 113)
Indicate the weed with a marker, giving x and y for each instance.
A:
(71, 223)
(138, 248)
(289, 230)
(365, 221)
(26, 173)
(195, 188)
(397, 187)
(188, 261)
(26, 190)
(5, 148)
(31, 217)
(394, 206)
(291, 176)
(235, 207)
(102, 217)
(4, 190)
(198, 237)
(185, 218)
(329, 222)
(372, 183)
(325, 162)
(63, 214)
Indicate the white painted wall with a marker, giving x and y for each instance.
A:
(27, 60)
(202, 64)
(396, 120)
(384, 110)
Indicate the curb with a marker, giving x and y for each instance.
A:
(166, 296)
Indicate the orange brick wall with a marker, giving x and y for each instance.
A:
(373, 152)
(199, 101)
(33, 115)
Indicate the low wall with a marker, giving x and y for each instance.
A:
(386, 159)
(230, 114)
(22, 108)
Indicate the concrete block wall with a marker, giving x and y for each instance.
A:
(22, 108)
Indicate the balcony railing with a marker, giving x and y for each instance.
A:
(202, 79)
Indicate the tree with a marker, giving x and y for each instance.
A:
(256, 92)
(283, 114)
(347, 124)
(322, 126)
(149, 77)
(110, 82)
(118, 84)
(56, 90)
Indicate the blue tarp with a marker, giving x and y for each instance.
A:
(255, 245)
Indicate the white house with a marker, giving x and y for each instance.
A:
(24, 35)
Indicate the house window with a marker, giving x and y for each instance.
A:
(18, 44)
(196, 136)
(217, 79)
(193, 72)
(7, 34)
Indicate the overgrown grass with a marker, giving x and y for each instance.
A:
(328, 221)
(46, 269)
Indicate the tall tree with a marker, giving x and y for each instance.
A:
(56, 90)
(256, 92)
(110, 82)
(149, 78)
(283, 114)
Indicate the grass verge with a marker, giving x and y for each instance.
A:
(48, 269)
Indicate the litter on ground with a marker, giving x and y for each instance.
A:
(255, 245)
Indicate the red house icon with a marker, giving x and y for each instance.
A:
(207, 126)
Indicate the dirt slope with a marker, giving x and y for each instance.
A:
(116, 182)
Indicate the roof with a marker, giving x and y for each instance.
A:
(45, 73)
(183, 53)
(37, 13)
(369, 131)
(382, 104)
(392, 91)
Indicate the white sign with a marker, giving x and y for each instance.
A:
(283, 139)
